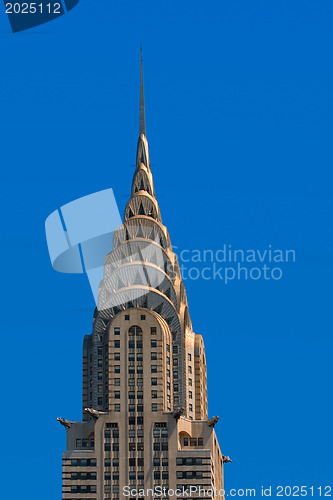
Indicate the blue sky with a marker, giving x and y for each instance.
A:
(239, 122)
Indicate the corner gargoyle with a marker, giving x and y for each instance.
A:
(95, 413)
(64, 422)
(213, 421)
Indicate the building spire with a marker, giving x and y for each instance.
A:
(142, 124)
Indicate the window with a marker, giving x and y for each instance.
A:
(153, 330)
(189, 357)
(168, 360)
(165, 475)
(156, 462)
(139, 408)
(131, 357)
(139, 395)
(131, 420)
(190, 407)
(139, 344)
(131, 381)
(165, 446)
(168, 386)
(139, 370)
(131, 447)
(185, 441)
(74, 462)
(190, 395)
(131, 344)
(153, 356)
(100, 363)
(131, 462)
(116, 344)
(175, 349)
(135, 330)
(117, 331)
(175, 374)
(139, 357)
(117, 407)
(200, 441)
(190, 382)
(117, 381)
(157, 475)
(175, 361)
(127, 317)
(100, 351)
(143, 317)
(154, 407)
(99, 401)
(168, 373)
(140, 432)
(175, 387)
(153, 368)
(165, 462)
(190, 369)
(153, 343)
(117, 369)
(140, 446)
(117, 394)
(131, 395)
(193, 442)
(154, 394)
(117, 356)
(168, 348)
(140, 420)
(154, 381)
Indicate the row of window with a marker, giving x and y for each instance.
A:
(160, 446)
(131, 344)
(115, 434)
(84, 476)
(189, 461)
(189, 474)
(83, 462)
(158, 475)
(89, 488)
(193, 441)
(115, 476)
(133, 462)
(85, 443)
(135, 446)
(108, 447)
(135, 329)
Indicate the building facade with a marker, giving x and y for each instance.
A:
(145, 422)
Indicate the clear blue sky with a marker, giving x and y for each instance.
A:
(239, 122)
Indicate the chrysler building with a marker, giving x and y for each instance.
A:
(145, 423)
